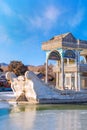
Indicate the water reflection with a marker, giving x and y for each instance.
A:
(25, 116)
(44, 117)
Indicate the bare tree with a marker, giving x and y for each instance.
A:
(17, 67)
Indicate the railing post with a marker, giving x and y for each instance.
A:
(78, 63)
(46, 80)
(62, 73)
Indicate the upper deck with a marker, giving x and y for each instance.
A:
(64, 41)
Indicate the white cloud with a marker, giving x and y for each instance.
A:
(5, 8)
(51, 13)
(43, 20)
(78, 15)
(37, 21)
(4, 37)
(77, 18)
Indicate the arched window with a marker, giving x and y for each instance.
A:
(69, 54)
(54, 55)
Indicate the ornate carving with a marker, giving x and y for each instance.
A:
(22, 86)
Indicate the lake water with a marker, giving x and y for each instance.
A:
(44, 117)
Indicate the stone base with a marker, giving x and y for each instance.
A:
(22, 97)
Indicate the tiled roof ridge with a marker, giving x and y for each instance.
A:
(60, 35)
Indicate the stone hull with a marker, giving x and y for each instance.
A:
(34, 91)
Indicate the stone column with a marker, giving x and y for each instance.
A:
(57, 75)
(78, 71)
(78, 63)
(76, 80)
(70, 81)
(46, 80)
(62, 73)
(77, 74)
(67, 61)
(57, 79)
(79, 83)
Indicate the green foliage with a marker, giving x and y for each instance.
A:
(17, 67)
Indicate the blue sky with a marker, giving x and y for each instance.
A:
(25, 24)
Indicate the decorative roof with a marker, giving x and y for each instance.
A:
(63, 41)
(60, 36)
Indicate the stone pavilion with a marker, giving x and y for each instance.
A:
(70, 55)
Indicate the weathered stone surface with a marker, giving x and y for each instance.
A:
(32, 87)
(22, 97)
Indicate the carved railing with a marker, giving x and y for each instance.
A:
(83, 67)
(67, 68)
(71, 68)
